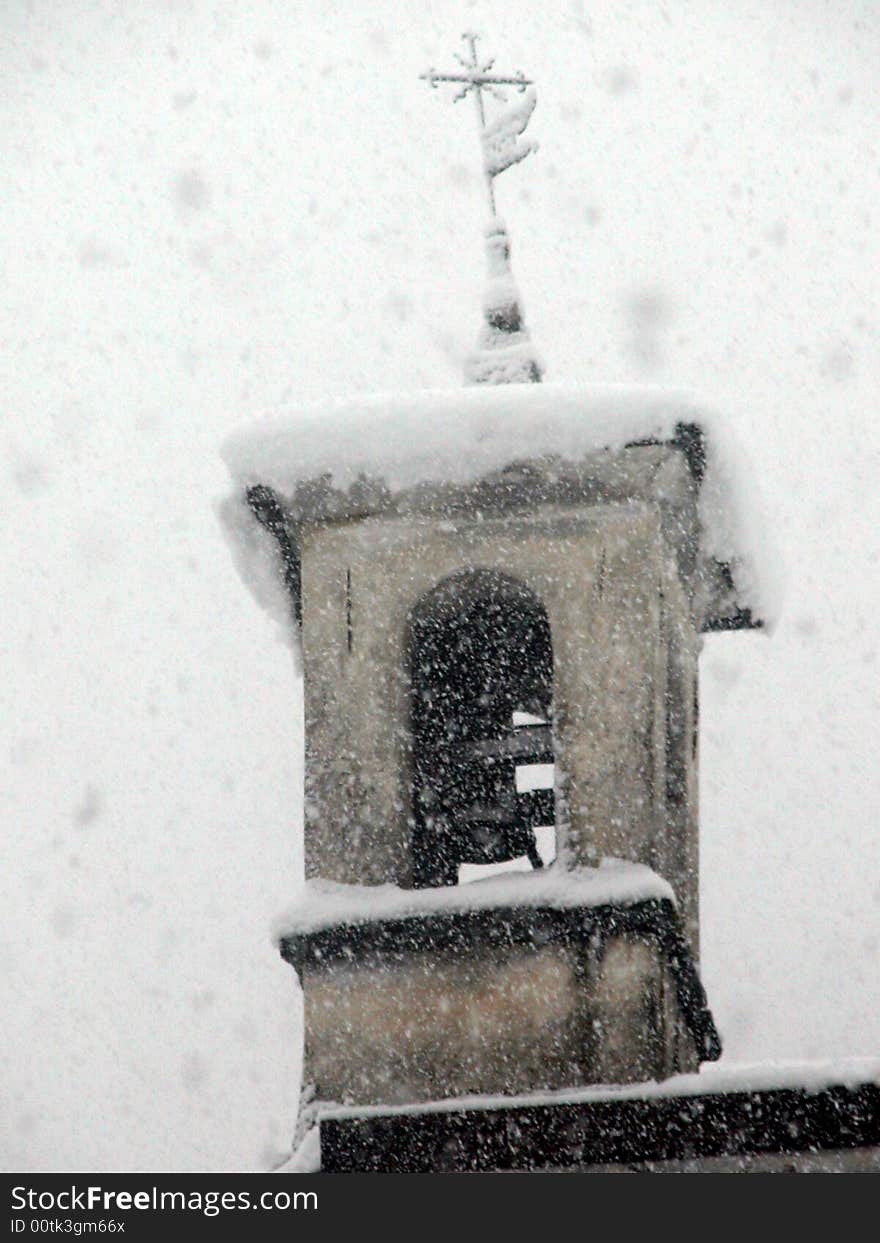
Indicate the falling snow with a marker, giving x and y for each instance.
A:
(215, 213)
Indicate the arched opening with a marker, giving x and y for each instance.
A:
(481, 673)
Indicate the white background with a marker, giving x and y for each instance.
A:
(212, 211)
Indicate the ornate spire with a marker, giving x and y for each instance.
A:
(504, 353)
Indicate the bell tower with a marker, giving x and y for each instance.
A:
(499, 594)
(500, 621)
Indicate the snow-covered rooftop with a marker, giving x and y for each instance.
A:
(458, 436)
(712, 1078)
(453, 435)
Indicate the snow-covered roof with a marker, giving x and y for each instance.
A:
(712, 1078)
(812, 1077)
(458, 436)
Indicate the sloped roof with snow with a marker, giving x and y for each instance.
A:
(459, 436)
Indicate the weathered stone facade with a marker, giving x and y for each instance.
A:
(435, 1024)
(612, 557)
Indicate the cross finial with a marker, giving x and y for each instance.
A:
(504, 353)
(500, 148)
(476, 76)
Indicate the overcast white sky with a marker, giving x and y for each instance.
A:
(212, 211)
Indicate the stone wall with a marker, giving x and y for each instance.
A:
(419, 1027)
(617, 579)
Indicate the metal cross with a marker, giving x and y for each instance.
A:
(476, 78)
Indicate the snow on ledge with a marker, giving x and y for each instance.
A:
(328, 904)
(459, 435)
(713, 1078)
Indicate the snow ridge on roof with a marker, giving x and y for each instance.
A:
(460, 435)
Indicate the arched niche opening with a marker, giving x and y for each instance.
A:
(481, 678)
